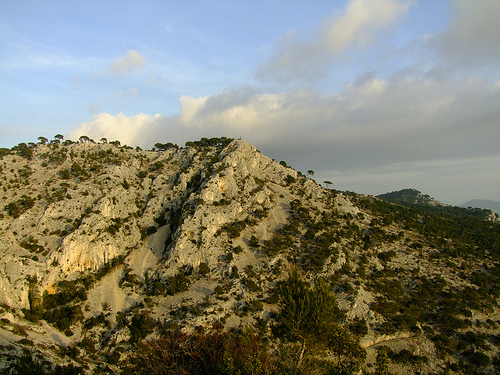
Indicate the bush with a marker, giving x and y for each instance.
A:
(233, 230)
(203, 268)
(17, 208)
(225, 353)
(178, 283)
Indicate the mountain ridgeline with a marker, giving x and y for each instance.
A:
(214, 259)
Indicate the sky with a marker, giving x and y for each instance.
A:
(372, 95)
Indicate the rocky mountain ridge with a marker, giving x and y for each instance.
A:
(104, 247)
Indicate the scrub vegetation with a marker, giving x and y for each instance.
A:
(213, 259)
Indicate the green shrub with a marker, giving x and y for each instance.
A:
(203, 268)
(178, 283)
(233, 230)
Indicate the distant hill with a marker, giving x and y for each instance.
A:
(414, 198)
(411, 197)
(483, 203)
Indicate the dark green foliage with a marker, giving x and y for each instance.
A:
(17, 208)
(386, 256)
(278, 243)
(67, 291)
(140, 326)
(195, 182)
(178, 283)
(165, 146)
(254, 242)
(359, 327)
(290, 179)
(407, 357)
(382, 362)
(4, 152)
(142, 174)
(233, 230)
(212, 142)
(203, 268)
(23, 150)
(156, 166)
(346, 348)
(63, 317)
(310, 319)
(251, 285)
(95, 321)
(444, 343)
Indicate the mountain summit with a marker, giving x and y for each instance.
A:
(117, 260)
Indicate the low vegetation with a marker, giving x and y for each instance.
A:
(214, 260)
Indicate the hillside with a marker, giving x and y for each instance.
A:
(414, 198)
(111, 254)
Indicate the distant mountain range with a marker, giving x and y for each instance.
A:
(483, 203)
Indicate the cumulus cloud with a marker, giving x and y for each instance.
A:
(127, 129)
(299, 58)
(131, 62)
(472, 37)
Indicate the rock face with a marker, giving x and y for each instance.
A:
(97, 202)
(108, 243)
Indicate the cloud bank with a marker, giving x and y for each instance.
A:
(473, 34)
(375, 123)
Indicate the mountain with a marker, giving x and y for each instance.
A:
(414, 198)
(213, 258)
(484, 204)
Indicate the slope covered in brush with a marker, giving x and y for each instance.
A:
(414, 198)
(111, 253)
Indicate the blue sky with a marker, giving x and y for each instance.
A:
(373, 95)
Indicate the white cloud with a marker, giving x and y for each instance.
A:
(127, 129)
(358, 25)
(300, 58)
(131, 62)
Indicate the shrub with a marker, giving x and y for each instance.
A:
(309, 315)
(17, 208)
(290, 179)
(228, 353)
(178, 283)
(233, 230)
(203, 268)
